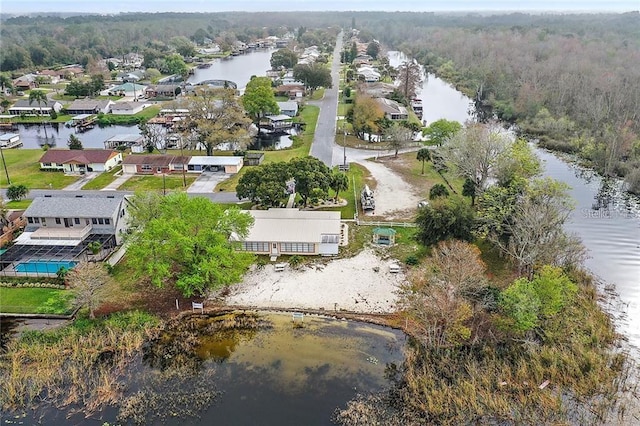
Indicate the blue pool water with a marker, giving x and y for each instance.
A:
(44, 266)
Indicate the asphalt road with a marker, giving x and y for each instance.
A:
(323, 143)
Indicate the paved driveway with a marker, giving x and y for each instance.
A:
(207, 182)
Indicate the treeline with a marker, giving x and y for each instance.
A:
(571, 80)
(47, 41)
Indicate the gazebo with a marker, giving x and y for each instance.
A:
(384, 236)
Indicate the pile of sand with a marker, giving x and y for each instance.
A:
(360, 284)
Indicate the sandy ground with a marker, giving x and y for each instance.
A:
(341, 284)
(337, 284)
(394, 197)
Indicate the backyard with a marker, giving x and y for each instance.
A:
(35, 300)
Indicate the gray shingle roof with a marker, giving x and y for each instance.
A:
(74, 207)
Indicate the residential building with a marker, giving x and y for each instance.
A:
(154, 164)
(127, 108)
(90, 106)
(392, 109)
(292, 231)
(23, 106)
(289, 108)
(80, 160)
(216, 163)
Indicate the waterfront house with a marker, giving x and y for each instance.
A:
(392, 109)
(162, 91)
(276, 123)
(53, 219)
(89, 106)
(126, 140)
(289, 108)
(23, 106)
(127, 108)
(292, 231)
(80, 160)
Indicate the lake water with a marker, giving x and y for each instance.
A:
(238, 69)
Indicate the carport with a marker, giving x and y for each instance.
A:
(216, 163)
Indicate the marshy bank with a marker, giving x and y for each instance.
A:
(197, 369)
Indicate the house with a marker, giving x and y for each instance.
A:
(154, 164)
(127, 108)
(50, 76)
(130, 90)
(12, 222)
(162, 90)
(89, 106)
(80, 160)
(276, 123)
(126, 140)
(23, 106)
(25, 82)
(292, 231)
(368, 74)
(130, 76)
(72, 220)
(216, 163)
(289, 108)
(253, 158)
(392, 109)
(292, 91)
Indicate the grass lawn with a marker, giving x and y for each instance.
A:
(155, 183)
(300, 148)
(35, 301)
(318, 94)
(18, 205)
(103, 179)
(24, 169)
(357, 175)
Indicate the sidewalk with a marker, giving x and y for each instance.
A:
(113, 186)
(77, 185)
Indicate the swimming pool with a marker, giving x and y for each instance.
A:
(44, 266)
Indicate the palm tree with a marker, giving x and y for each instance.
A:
(39, 97)
(339, 182)
(424, 154)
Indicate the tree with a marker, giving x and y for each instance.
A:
(5, 81)
(309, 173)
(187, 243)
(39, 97)
(155, 136)
(409, 78)
(441, 130)
(259, 98)
(314, 75)
(469, 190)
(74, 142)
(519, 162)
(17, 192)
(88, 280)
(216, 117)
(283, 58)
(424, 154)
(176, 65)
(398, 137)
(265, 184)
(339, 182)
(364, 116)
(476, 152)
(439, 299)
(441, 220)
(437, 191)
(183, 46)
(373, 49)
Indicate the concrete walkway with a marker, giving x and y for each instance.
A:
(113, 186)
(77, 185)
(206, 182)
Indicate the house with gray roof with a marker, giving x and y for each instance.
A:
(289, 108)
(44, 108)
(89, 106)
(291, 231)
(69, 220)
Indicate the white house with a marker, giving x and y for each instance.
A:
(292, 231)
(127, 108)
(44, 108)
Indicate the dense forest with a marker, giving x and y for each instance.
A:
(573, 81)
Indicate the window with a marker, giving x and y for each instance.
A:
(100, 221)
(107, 221)
(330, 239)
(46, 164)
(76, 221)
(145, 167)
(94, 221)
(36, 220)
(297, 247)
(58, 221)
(255, 246)
(44, 221)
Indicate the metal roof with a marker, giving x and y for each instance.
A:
(216, 160)
(292, 225)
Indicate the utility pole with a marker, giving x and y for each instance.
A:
(4, 164)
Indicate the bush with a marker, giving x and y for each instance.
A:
(438, 190)
(295, 260)
(412, 260)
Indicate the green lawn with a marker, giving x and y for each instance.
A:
(24, 169)
(357, 175)
(18, 205)
(103, 179)
(155, 183)
(35, 301)
(318, 94)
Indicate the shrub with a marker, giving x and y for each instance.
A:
(438, 190)
(295, 260)
(412, 259)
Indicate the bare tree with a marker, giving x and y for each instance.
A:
(88, 279)
(476, 152)
(409, 79)
(155, 136)
(398, 136)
